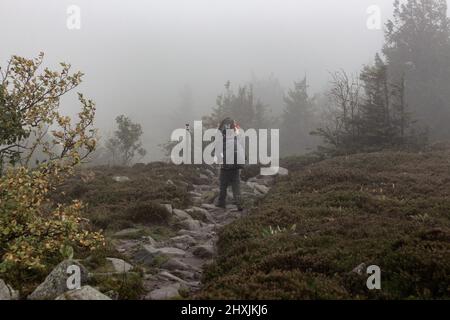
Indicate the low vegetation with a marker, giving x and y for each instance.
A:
(389, 209)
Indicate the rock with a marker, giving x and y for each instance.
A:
(261, 188)
(176, 264)
(170, 182)
(360, 269)
(181, 214)
(168, 207)
(195, 194)
(203, 176)
(7, 292)
(195, 234)
(203, 251)
(190, 224)
(128, 233)
(121, 179)
(210, 173)
(120, 265)
(56, 282)
(283, 171)
(185, 274)
(208, 206)
(150, 240)
(202, 210)
(170, 276)
(183, 239)
(147, 253)
(165, 293)
(84, 293)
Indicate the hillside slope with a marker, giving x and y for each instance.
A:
(391, 209)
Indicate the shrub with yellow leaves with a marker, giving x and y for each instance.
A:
(33, 231)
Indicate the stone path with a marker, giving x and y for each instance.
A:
(180, 260)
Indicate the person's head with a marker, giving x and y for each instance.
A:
(226, 124)
(229, 125)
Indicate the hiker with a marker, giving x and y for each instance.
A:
(229, 139)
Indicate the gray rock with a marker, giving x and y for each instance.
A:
(56, 282)
(147, 253)
(190, 224)
(360, 269)
(128, 233)
(121, 179)
(208, 206)
(150, 240)
(170, 182)
(203, 176)
(181, 214)
(283, 171)
(195, 194)
(7, 292)
(261, 188)
(165, 293)
(176, 264)
(84, 293)
(168, 275)
(168, 207)
(120, 265)
(183, 239)
(185, 274)
(203, 251)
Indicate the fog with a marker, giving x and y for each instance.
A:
(138, 56)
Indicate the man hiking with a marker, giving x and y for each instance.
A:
(231, 156)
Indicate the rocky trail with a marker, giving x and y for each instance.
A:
(180, 259)
(172, 266)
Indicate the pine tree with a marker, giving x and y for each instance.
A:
(375, 121)
(297, 120)
(417, 48)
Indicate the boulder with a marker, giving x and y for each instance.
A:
(121, 179)
(360, 269)
(84, 293)
(120, 266)
(190, 224)
(261, 188)
(204, 251)
(168, 207)
(56, 282)
(164, 293)
(184, 238)
(128, 233)
(181, 214)
(283, 171)
(7, 292)
(176, 264)
(208, 206)
(147, 253)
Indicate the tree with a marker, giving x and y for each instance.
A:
(35, 232)
(375, 109)
(342, 127)
(298, 119)
(30, 114)
(371, 119)
(241, 106)
(417, 48)
(125, 144)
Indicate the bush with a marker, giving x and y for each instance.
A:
(34, 232)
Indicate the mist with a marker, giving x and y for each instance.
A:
(139, 57)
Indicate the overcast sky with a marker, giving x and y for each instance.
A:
(137, 55)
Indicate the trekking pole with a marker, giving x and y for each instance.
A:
(187, 149)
